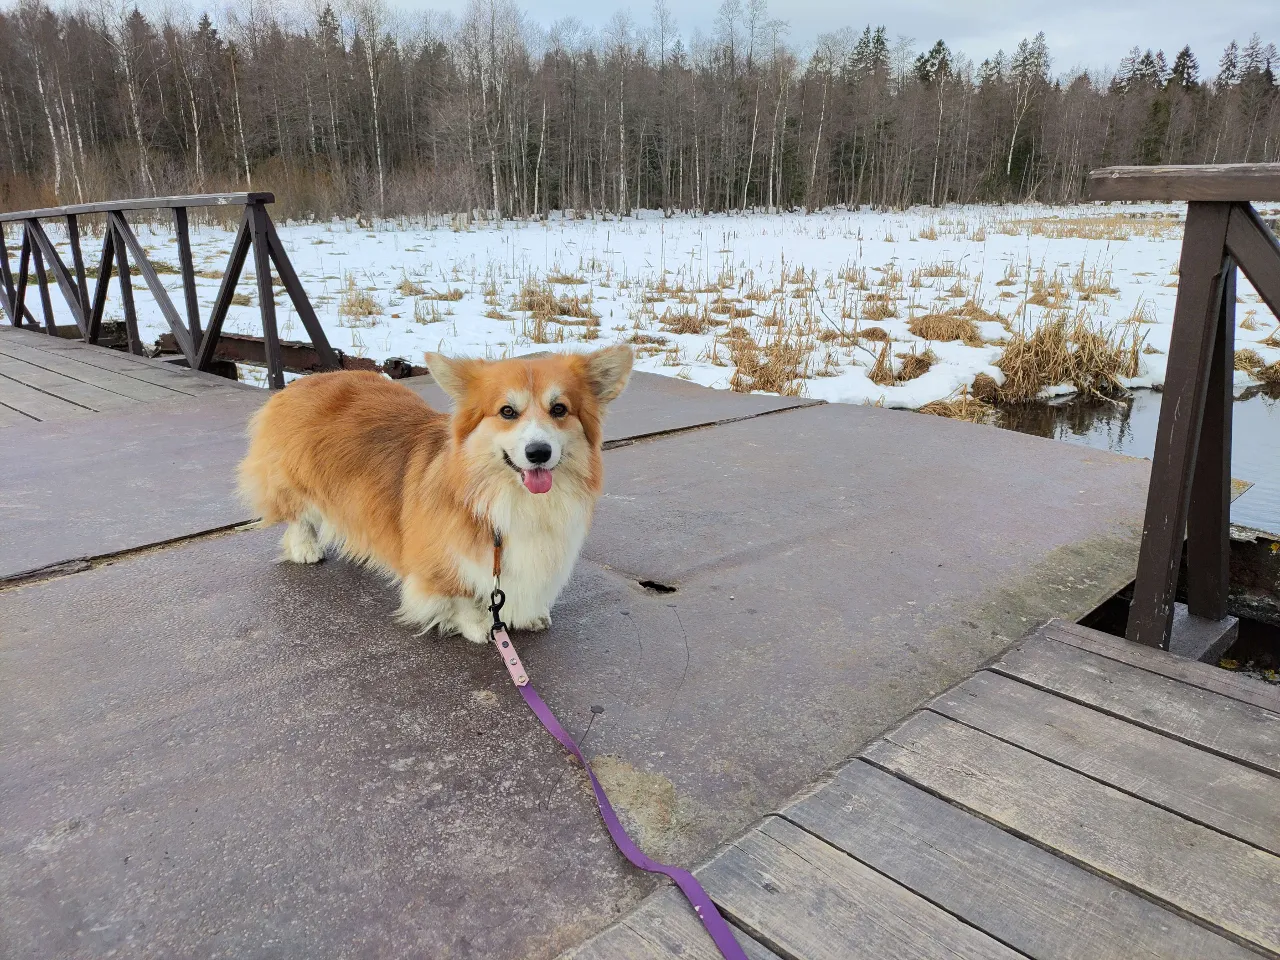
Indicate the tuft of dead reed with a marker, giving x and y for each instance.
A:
(915, 364)
(1064, 350)
(951, 325)
(779, 365)
(962, 406)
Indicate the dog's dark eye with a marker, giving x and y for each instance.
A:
(558, 410)
(508, 412)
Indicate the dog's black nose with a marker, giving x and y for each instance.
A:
(538, 452)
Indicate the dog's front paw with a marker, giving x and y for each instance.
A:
(300, 544)
(541, 621)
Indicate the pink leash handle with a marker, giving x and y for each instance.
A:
(715, 925)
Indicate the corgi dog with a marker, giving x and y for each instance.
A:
(362, 463)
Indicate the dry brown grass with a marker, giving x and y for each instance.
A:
(1249, 360)
(1272, 339)
(1045, 291)
(451, 296)
(1072, 351)
(779, 365)
(962, 406)
(879, 306)
(539, 300)
(915, 364)
(1116, 226)
(570, 278)
(985, 388)
(1269, 374)
(407, 288)
(1250, 321)
(882, 373)
(686, 321)
(874, 333)
(1092, 282)
(945, 327)
(357, 302)
(242, 299)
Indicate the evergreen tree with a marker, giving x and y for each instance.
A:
(1186, 70)
(1229, 66)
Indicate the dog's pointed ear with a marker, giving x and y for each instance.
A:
(608, 371)
(453, 375)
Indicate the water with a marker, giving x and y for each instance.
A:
(1129, 427)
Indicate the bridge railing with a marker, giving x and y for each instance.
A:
(1190, 486)
(197, 342)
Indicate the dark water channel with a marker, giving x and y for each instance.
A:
(1129, 427)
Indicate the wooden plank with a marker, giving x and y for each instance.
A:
(36, 404)
(125, 385)
(75, 391)
(1018, 893)
(1224, 883)
(1200, 675)
(1195, 323)
(1231, 181)
(663, 926)
(1229, 797)
(148, 369)
(12, 418)
(1257, 251)
(146, 203)
(804, 898)
(1229, 728)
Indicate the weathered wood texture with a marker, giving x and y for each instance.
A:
(121, 245)
(1236, 181)
(146, 203)
(1196, 319)
(789, 889)
(1084, 799)
(1200, 675)
(1025, 896)
(662, 926)
(1239, 801)
(45, 378)
(1220, 881)
(1229, 728)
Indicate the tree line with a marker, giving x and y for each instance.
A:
(363, 110)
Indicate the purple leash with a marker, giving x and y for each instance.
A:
(698, 898)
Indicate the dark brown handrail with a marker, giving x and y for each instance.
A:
(119, 244)
(146, 203)
(1191, 468)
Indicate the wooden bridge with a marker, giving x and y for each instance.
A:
(207, 753)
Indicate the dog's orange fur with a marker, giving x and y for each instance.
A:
(362, 461)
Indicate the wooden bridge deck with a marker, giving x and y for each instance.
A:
(1081, 798)
(44, 378)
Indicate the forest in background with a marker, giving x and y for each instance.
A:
(366, 110)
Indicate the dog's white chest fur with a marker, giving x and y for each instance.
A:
(541, 539)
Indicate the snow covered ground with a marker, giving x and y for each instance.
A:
(793, 297)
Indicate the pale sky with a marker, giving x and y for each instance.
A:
(1094, 34)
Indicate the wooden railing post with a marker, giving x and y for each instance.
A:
(1209, 516)
(1190, 491)
(181, 228)
(258, 221)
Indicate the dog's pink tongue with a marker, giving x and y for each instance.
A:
(537, 480)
